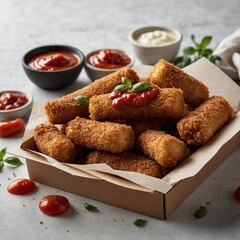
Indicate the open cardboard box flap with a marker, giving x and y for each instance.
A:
(218, 83)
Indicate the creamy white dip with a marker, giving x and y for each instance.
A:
(156, 38)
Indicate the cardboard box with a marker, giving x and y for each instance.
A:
(147, 195)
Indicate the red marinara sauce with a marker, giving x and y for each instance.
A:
(109, 59)
(121, 100)
(11, 100)
(54, 61)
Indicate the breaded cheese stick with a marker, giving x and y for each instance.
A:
(54, 143)
(127, 161)
(201, 124)
(144, 79)
(165, 149)
(64, 109)
(168, 103)
(165, 75)
(186, 112)
(141, 125)
(106, 136)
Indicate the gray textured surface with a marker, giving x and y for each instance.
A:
(89, 25)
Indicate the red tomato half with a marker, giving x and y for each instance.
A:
(21, 186)
(54, 205)
(12, 127)
(237, 193)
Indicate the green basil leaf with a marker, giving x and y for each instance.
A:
(127, 82)
(205, 42)
(186, 61)
(193, 39)
(140, 87)
(180, 65)
(13, 161)
(206, 52)
(201, 212)
(178, 60)
(200, 55)
(2, 153)
(217, 58)
(120, 88)
(189, 50)
(90, 207)
(213, 58)
(83, 100)
(140, 222)
(1, 165)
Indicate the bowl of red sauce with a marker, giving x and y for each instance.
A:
(53, 67)
(14, 104)
(102, 62)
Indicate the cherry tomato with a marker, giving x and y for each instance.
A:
(21, 186)
(10, 128)
(237, 193)
(54, 205)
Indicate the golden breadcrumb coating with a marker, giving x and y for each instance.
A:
(53, 143)
(127, 161)
(141, 125)
(186, 112)
(144, 79)
(165, 75)
(64, 109)
(165, 149)
(201, 124)
(168, 103)
(106, 136)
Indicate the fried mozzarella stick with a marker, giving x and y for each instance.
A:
(52, 142)
(201, 124)
(168, 103)
(64, 109)
(141, 125)
(127, 161)
(106, 136)
(165, 149)
(165, 75)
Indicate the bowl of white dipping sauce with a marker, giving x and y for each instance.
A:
(155, 42)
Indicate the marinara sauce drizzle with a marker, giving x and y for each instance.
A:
(11, 100)
(121, 100)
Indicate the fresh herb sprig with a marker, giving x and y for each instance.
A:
(82, 100)
(140, 222)
(199, 50)
(15, 161)
(201, 212)
(127, 85)
(90, 207)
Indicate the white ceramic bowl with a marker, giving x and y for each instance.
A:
(19, 112)
(95, 73)
(151, 54)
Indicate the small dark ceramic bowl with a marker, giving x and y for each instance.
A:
(19, 112)
(53, 80)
